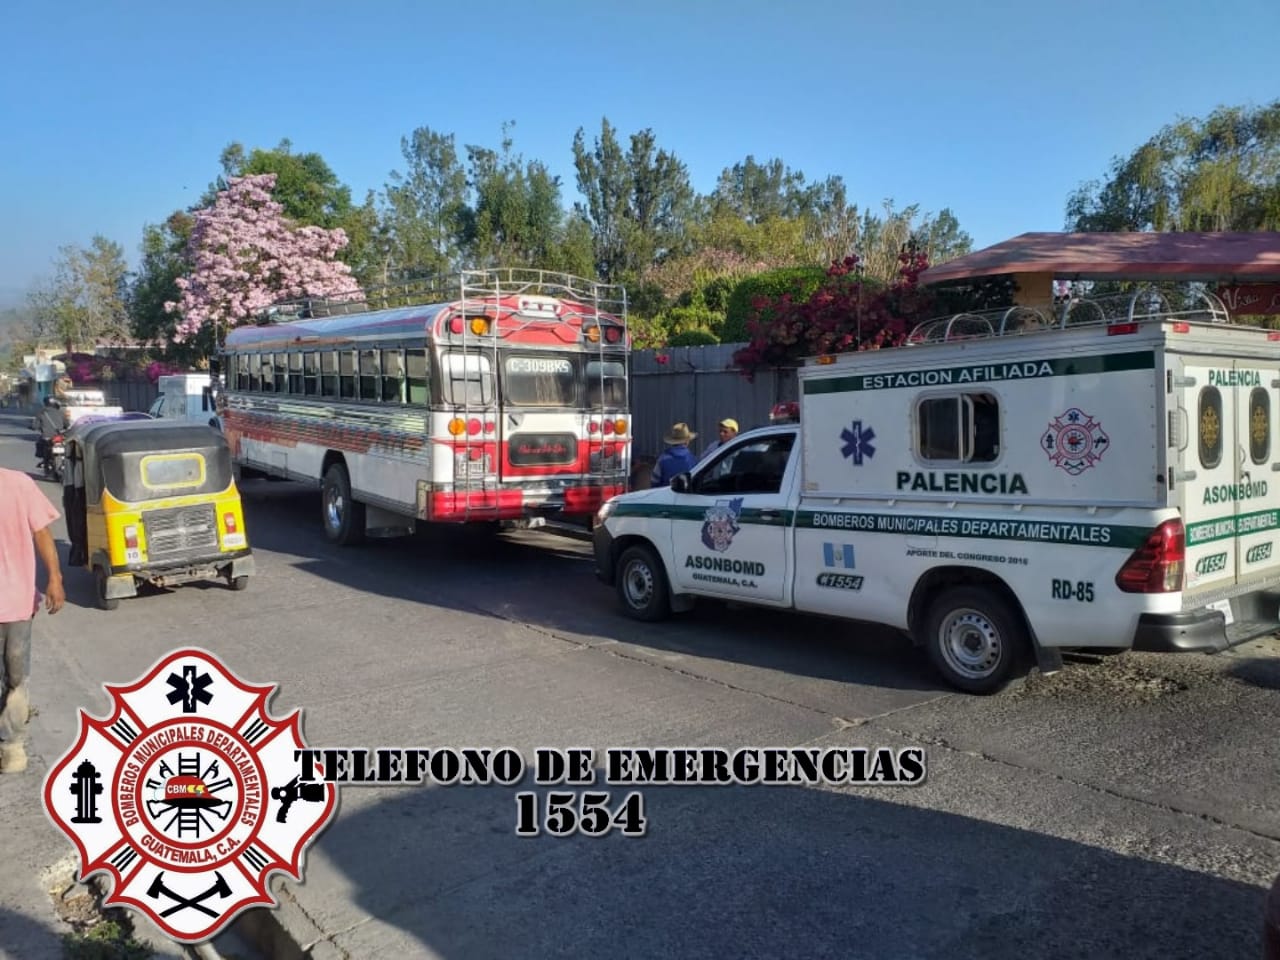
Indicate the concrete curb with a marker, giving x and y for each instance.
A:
(284, 932)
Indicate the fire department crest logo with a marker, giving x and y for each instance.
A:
(187, 794)
(1075, 441)
(720, 524)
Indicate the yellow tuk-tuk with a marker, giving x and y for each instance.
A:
(153, 501)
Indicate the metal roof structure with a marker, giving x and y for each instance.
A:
(1220, 257)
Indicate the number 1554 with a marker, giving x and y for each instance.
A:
(563, 814)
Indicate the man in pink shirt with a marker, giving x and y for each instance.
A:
(25, 517)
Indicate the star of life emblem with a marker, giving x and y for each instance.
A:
(1074, 441)
(186, 795)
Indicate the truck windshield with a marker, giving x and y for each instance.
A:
(539, 381)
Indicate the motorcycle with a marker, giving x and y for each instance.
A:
(52, 454)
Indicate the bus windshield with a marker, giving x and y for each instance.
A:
(539, 381)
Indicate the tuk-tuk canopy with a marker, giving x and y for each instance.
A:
(147, 459)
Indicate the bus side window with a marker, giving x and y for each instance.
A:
(311, 374)
(282, 372)
(255, 371)
(328, 374)
(295, 374)
(416, 369)
(369, 375)
(392, 376)
(243, 378)
(347, 374)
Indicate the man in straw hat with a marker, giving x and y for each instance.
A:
(677, 458)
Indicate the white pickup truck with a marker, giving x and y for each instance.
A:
(1095, 486)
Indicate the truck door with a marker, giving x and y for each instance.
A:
(1230, 496)
(730, 529)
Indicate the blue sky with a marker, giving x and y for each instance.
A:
(114, 114)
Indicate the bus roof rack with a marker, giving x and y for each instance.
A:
(475, 288)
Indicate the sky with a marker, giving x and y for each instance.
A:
(113, 115)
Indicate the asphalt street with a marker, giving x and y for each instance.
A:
(1126, 808)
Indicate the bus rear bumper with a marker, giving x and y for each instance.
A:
(516, 503)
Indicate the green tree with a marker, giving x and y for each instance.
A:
(164, 260)
(425, 208)
(638, 202)
(757, 192)
(1218, 173)
(85, 299)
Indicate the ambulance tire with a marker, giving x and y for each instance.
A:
(974, 638)
(342, 515)
(642, 585)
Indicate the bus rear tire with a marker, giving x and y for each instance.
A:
(342, 515)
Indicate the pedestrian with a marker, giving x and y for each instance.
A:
(677, 458)
(728, 430)
(25, 518)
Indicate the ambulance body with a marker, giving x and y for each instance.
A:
(1093, 485)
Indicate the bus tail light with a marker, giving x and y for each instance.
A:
(593, 427)
(457, 426)
(591, 333)
(455, 325)
(620, 427)
(1158, 565)
(474, 426)
(131, 537)
(480, 326)
(490, 426)
(608, 427)
(1120, 329)
(612, 334)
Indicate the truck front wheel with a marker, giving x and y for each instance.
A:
(642, 584)
(973, 638)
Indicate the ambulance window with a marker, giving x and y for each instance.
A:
(1210, 419)
(938, 428)
(756, 467)
(959, 429)
(1260, 425)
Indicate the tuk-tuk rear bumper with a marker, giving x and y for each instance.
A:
(123, 579)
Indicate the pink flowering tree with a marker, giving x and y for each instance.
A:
(246, 256)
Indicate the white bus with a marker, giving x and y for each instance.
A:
(501, 396)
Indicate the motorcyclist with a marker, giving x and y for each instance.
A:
(51, 422)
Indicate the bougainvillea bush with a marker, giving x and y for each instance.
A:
(843, 314)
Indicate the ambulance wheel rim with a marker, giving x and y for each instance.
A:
(970, 642)
(638, 583)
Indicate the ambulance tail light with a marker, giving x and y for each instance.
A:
(1158, 565)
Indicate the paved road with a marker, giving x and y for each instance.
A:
(1124, 809)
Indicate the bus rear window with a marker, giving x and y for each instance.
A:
(467, 378)
(534, 381)
(606, 383)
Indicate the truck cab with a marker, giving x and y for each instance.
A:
(186, 396)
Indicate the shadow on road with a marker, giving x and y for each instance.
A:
(1261, 672)
(762, 872)
(550, 582)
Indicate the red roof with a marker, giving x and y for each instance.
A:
(1129, 256)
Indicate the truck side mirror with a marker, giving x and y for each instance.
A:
(680, 483)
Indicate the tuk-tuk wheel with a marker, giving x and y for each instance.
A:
(100, 590)
(239, 583)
